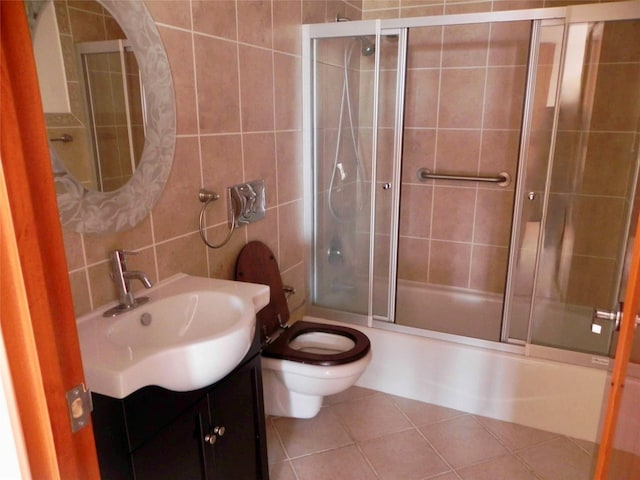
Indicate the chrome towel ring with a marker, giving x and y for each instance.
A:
(206, 197)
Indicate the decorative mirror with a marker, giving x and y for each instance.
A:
(105, 205)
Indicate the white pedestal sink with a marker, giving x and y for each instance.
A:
(192, 333)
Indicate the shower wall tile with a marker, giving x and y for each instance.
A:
(492, 224)
(461, 94)
(488, 268)
(458, 151)
(425, 47)
(416, 222)
(499, 152)
(453, 211)
(614, 109)
(449, 263)
(465, 45)
(504, 97)
(617, 44)
(413, 259)
(422, 91)
(418, 151)
(509, 43)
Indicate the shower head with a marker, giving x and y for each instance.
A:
(368, 47)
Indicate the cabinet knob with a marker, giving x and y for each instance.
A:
(219, 430)
(210, 438)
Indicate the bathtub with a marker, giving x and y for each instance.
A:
(538, 393)
(450, 310)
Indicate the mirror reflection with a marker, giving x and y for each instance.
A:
(93, 107)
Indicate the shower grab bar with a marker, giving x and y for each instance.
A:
(503, 178)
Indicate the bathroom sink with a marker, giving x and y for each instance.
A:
(191, 333)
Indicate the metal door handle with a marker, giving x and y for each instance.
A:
(609, 315)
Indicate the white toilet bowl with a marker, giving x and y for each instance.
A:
(296, 389)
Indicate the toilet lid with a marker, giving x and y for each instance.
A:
(257, 264)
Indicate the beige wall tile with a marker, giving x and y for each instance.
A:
(422, 89)
(489, 268)
(290, 219)
(288, 95)
(461, 96)
(287, 16)
(413, 259)
(260, 162)
(288, 155)
(425, 47)
(217, 85)
(97, 247)
(449, 263)
(256, 89)
(80, 289)
(453, 210)
(219, 21)
(465, 45)
(504, 96)
(177, 209)
(171, 12)
(255, 22)
(185, 254)
(178, 45)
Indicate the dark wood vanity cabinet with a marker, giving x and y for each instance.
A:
(215, 433)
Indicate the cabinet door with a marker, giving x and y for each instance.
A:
(236, 404)
(176, 452)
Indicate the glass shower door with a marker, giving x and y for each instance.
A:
(465, 87)
(342, 110)
(591, 188)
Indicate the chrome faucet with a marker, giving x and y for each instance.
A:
(122, 278)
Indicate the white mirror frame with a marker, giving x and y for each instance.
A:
(93, 212)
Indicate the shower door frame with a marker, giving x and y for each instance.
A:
(626, 10)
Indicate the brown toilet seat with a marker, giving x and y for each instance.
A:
(257, 264)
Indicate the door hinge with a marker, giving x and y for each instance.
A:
(80, 406)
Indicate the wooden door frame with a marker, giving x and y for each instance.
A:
(621, 362)
(37, 318)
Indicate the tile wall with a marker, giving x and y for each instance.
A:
(236, 72)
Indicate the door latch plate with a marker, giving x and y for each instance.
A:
(80, 406)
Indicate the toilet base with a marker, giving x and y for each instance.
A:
(281, 402)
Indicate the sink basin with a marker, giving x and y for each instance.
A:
(191, 333)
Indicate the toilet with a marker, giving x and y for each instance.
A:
(303, 362)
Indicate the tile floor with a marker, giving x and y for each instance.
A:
(364, 434)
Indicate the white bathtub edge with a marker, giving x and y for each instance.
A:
(543, 394)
